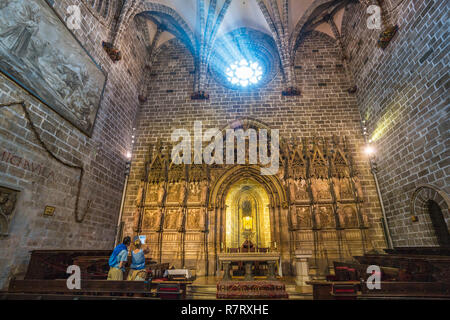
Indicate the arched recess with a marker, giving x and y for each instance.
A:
(277, 201)
(156, 9)
(315, 9)
(247, 215)
(430, 206)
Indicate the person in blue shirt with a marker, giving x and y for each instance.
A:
(118, 260)
(137, 268)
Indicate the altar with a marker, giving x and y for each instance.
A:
(249, 258)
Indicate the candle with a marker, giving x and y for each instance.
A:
(275, 244)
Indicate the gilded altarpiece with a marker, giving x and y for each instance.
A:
(313, 203)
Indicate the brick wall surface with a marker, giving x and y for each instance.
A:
(103, 157)
(403, 95)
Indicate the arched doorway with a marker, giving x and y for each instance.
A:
(438, 222)
(268, 204)
(247, 215)
(430, 208)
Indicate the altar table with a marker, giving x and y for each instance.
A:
(248, 258)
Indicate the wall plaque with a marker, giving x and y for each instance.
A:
(41, 54)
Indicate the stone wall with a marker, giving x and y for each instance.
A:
(324, 108)
(402, 93)
(102, 156)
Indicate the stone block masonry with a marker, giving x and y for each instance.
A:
(403, 96)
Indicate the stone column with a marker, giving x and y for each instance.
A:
(226, 270)
(248, 271)
(301, 266)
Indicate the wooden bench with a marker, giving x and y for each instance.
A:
(323, 290)
(52, 264)
(103, 288)
(345, 271)
(418, 268)
(407, 290)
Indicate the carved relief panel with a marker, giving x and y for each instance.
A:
(320, 186)
(172, 219)
(8, 199)
(301, 217)
(195, 219)
(176, 187)
(152, 219)
(347, 215)
(324, 216)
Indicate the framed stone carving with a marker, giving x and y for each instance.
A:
(301, 217)
(40, 54)
(347, 215)
(8, 200)
(152, 219)
(324, 216)
(171, 219)
(194, 219)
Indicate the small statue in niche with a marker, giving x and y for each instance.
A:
(157, 219)
(182, 194)
(341, 217)
(337, 188)
(358, 187)
(161, 193)
(180, 220)
(204, 192)
(365, 219)
(203, 214)
(294, 218)
(317, 218)
(291, 188)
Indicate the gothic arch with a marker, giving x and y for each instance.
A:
(271, 184)
(420, 200)
(142, 6)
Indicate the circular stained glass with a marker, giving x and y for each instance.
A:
(244, 73)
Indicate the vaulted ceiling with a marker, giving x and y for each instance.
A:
(303, 15)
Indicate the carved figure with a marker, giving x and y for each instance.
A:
(161, 193)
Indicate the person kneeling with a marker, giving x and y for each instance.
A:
(137, 268)
(118, 259)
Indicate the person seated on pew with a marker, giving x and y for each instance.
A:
(137, 268)
(118, 259)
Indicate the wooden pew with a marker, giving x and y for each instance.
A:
(98, 288)
(420, 268)
(326, 290)
(52, 264)
(346, 271)
(407, 290)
